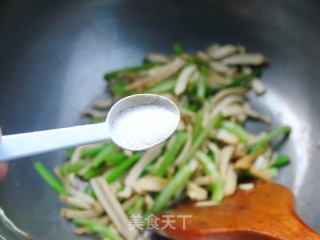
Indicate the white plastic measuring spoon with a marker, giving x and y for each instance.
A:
(135, 123)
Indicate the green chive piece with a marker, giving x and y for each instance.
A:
(201, 138)
(121, 168)
(177, 48)
(98, 228)
(136, 206)
(107, 151)
(281, 161)
(235, 129)
(268, 138)
(177, 182)
(179, 141)
(217, 189)
(50, 178)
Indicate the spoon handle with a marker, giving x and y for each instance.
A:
(27, 144)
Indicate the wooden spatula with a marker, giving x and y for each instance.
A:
(266, 212)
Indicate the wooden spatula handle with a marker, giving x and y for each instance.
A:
(266, 212)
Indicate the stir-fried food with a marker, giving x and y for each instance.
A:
(107, 189)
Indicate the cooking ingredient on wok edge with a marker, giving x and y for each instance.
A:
(114, 192)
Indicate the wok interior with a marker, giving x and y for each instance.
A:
(53, 56)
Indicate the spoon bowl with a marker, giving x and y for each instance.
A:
(135, 123)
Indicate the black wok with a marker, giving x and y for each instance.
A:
(53, 55)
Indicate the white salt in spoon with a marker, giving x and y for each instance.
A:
(135, 123)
